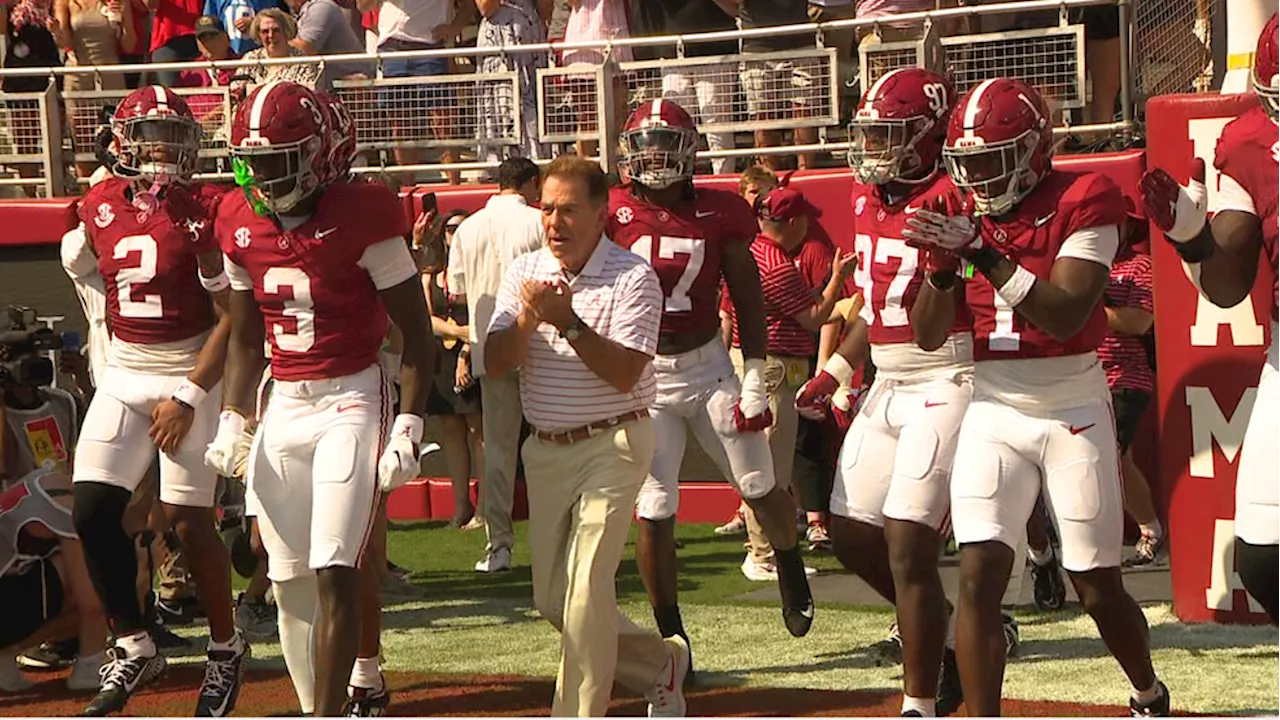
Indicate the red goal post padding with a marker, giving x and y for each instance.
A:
(1209, 363)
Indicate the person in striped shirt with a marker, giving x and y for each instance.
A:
(579, 318)
(1123, 354)
(792, 318)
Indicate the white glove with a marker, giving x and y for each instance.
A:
(399, 462)
(754, 400)
(228, 454)
(949, 232)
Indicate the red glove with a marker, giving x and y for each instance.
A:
(843, 416)
(939, 261)
(757, 423)
(1177, 210)
(814, 396)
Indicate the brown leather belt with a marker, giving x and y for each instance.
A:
(578, 434)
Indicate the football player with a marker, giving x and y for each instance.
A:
(150, 228)
(317, 263)
(693, 238)
(1041, 242)
(892, 493)
(1223, 260)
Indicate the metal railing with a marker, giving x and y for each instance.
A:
(471, 113)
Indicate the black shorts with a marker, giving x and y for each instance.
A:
(1129, 406)
(31, 599)
(1100, 22)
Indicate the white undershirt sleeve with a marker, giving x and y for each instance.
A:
(1098, 244)
(77, 256)
(388, 263)
(1233, 196)
(239, 277)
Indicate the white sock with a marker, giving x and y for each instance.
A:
(1153, 529)
(1146, 697)
(140, 645)
(1040, 558)
(366, 673)
(235, 644)
(296, 602)
(927, 707)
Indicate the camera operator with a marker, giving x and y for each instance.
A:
(40, 421)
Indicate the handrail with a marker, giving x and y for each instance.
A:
(1016, 6)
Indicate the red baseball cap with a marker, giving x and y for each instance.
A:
(785, 203)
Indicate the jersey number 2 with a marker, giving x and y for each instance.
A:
(143, 306)
(300, 307)
(694, 249)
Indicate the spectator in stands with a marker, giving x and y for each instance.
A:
(173, 35)
(778, 89)
(510, 22)
(323, 29)
(595, 20)
(137, 54)
(214, 44)
(1123, 354)
(792, 317)
(274, 30)
(236, 17)
(1101, 59)
(29, 42)
(405, 25)
(94, 31)
(455, 394)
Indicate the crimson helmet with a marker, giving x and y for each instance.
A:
(154, 137)
(280, 143)
(899, 127)
(658, 144)
(342, 137)
(1266, 67)
(999, 144)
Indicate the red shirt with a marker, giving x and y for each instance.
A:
(150, 265)
(174, 18)
(323, 314)
(785, 296)
(1124, 357)
(813, 260)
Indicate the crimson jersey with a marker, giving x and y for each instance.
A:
(685, 246)
(1248, 151)
(889, 273)
(149, 263)
(1032, 235)
(323, 314)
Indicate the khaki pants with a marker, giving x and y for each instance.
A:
(581, 498)
(500, 398)
(783, 377)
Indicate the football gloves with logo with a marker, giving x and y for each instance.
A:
(400, 460)
(228, 454)
(936, 230)
(1178, 210)
(816, 395)
(752, 413)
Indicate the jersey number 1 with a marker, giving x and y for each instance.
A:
(695, 252)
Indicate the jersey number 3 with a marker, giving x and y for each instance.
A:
(693, 250)
(302, 335)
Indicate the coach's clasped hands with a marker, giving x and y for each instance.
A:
(550, 302)
(228, 454)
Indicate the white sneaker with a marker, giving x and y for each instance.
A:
(767, 571)
(11, 678)
(666, 697)
(86, 673)
(496, 560)
(737, 525)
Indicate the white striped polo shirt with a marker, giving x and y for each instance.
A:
(618, 296)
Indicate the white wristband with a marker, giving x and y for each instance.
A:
(408, 425)
(233, 421)
(1017, 287)
(216, 284)
(839, 368)
(190, 394)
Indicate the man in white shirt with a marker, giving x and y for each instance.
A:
(484, 245)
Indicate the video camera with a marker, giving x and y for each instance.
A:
(21, 348)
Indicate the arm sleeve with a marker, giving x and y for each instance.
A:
(507, 305)
(1233, 196)
(77, 256)
(239, 277)
(785, 290)
(1098, 244)
(388, 263)
(634, 324)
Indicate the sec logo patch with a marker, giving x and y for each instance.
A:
(625, 215)
(860, 204)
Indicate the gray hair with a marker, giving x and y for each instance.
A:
(287, 24)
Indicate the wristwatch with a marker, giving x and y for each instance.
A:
(573, 329)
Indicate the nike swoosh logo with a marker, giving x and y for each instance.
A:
(1077, 430)
(321, 234)
(931, 404)
(348, 406)
(701, 214)
(807, 613)
(1046, 218)
(910, 210)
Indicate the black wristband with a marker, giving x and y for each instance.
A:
(1197, 249)
(182, 402)
(985, 259)
(942, 281)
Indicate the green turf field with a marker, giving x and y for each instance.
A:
(484, 624)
